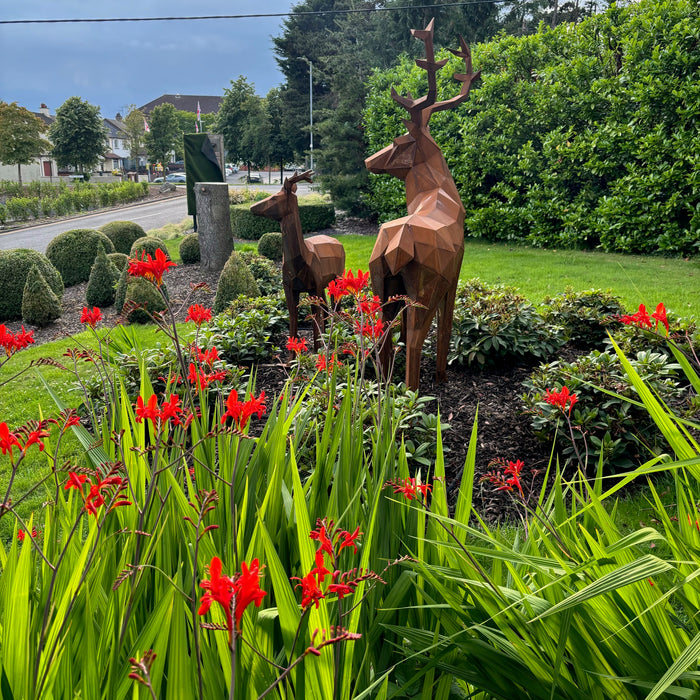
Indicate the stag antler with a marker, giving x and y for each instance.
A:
(421, 108)
(297, 177)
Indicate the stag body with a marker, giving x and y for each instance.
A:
(420, 255)
(308, 265)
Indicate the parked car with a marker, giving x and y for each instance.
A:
(176, 177)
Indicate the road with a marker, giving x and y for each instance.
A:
(149, 216)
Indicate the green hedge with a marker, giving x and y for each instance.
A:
(315, 214)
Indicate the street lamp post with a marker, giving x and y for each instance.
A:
(311, 110)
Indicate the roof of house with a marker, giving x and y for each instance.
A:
(47, 119)
(209, 104)
(115, 127)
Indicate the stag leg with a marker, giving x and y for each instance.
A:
(292, 299)
(417, 327)
(444, 331)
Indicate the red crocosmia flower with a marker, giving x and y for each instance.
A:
(342, 589)
(310, 590)
(509, 478)
(369, 306)
(12, 342)
(248, 589)
(297, 346)
(8, 440)
(345, 539)
(91, 318)
(320, 570)
(322, 538)
(198, 313)
(34, 438)
(322, 363)
(171, 408)
(660, 316)
(241, 411)
(148, 411)
(21, 534)
(75, 481)
(355, 284)
(207, 357)
(370, 330)
(641, 318)
(95, 497)
(561, 398)
(151, 268)
(337, 289)
(409, 488)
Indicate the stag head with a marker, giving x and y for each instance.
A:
(398, 158)
(280, 204)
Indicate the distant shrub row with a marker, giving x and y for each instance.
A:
(62, 200)
(583, 136)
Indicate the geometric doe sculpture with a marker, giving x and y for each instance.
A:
(308, 265)
(420, 255)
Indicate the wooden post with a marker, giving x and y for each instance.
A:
(213, 224)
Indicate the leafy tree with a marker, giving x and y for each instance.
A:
(279, 137)
(20, 137)
(78, 135)
(134, 124)
(239, 100)
(164, 134)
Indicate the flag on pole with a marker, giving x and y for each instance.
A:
(199, 117)
(196, 127)
(146, 128)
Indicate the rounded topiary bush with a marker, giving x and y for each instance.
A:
(268, 275)
(270, 245)
(14, 268)
(141, 292)
(103, 278)
(148, 245)
(189, 249)
(123, 234)
(235, 279)
(120, 292)
(39, 303)
(73, 252)
(119, 260)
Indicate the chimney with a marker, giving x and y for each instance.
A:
(44, 110)
(118, 117)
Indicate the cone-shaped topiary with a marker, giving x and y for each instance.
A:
(189, 249)
(14, 268)
(123, 234)
(270, 245)
(142, 292)
(39, 304)
(149, 245)
(103, 278)
(119, 260)
(73, 252)
(235, 279)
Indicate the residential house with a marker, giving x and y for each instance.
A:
(208, 104)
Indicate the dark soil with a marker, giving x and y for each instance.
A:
(503, 430)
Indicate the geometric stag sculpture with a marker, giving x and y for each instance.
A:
(308, 265)
(420, 255)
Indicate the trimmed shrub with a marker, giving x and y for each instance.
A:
(73, 253)
(235, 279)
(270, 246)
(120, 292)
(267, 275)
(119, 260)
(14, 268)
(123, 234)
(39, 303)
(103, 278)
(315, 215)
(140, 291)
(149, 245)
(189, 249)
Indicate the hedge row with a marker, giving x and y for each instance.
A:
(582, 136)
(315, 215)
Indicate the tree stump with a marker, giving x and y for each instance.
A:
(213, 224)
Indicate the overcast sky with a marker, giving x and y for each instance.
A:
(115, 64)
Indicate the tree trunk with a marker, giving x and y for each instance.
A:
(19, 174)
(281, 172)
(213, 224)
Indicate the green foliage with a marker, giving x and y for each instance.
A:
(148, 245)
(574, 137)
(73, 252)
(20, 136)
(164, 133)
(103, 280)
(242, 195)
(39, 303)
(267, 274)
(142, 300)
(235, 279)
(583, 316)
(315, 213)
(78, 135)
(494, 324)
(232, 118)
(243, 338)
(15, 264)
(607, 418)
(270, 246)
(189, 249)
(123, 234)
(119, 260)
(120, 291)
